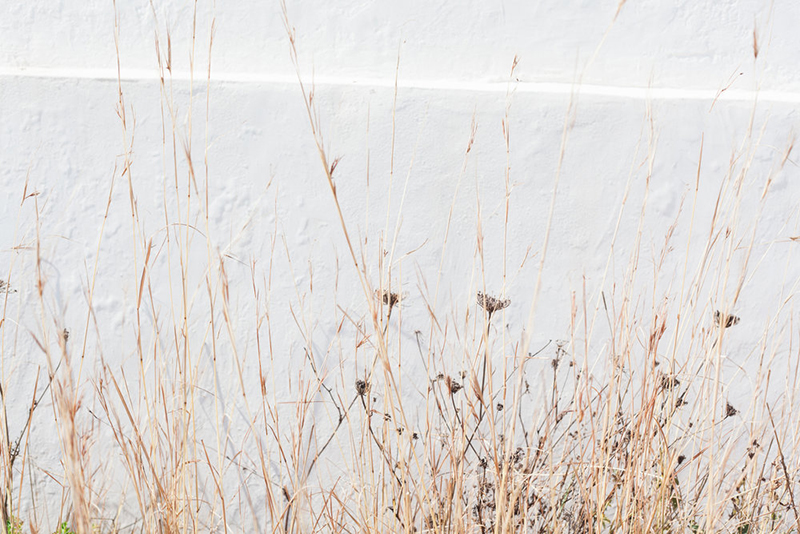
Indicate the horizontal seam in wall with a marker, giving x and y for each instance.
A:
(553, 88)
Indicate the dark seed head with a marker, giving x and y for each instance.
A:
(389, 298)
(724, 319)
(453, 386)
(5, 287)
(669, 381)
(492, 304)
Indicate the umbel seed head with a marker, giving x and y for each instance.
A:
(492, 304)
(5, 287)
(724, 319)
(389, 298)
(362, 387)
(453, 386)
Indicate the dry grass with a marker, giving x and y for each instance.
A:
(626, 427)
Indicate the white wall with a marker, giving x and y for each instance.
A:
(667, 44)
(650, 80)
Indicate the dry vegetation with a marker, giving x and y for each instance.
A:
(635, 432)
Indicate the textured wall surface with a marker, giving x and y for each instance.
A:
(614, 102)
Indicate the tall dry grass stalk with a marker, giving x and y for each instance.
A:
(633, 430)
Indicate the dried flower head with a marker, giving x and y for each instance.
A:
(65, 334)
(669, 382)
(5, 287)
(453, 386)
(492, 304)
(517, 456)
(753, 448)
(724, 319)
(362, 387)
(730, 411)
(388, 298)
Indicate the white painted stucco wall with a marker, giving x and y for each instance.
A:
(668, 76)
